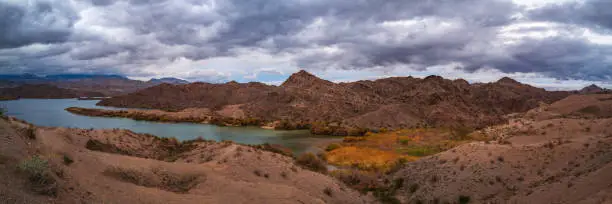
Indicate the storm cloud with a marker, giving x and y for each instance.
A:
(213, 40)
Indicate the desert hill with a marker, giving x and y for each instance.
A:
(556, 153)
(396, 102)
(62, 165)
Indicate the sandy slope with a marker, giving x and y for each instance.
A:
(208, 172)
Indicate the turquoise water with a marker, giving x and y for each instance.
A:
(50, 112)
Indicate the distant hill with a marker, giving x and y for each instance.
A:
(44, 91)
(168, 80)
(392, 102)
(109, 85)
(594, 89)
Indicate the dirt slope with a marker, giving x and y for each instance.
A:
(123, 167)
(555, 154)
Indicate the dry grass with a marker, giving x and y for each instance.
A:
(365, 158)
(381, 151)
(40, 177)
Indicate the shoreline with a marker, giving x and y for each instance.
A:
(206, 116)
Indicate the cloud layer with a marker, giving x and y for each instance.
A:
(540, 42)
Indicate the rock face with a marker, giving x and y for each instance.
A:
(44, 91)
(392, 102)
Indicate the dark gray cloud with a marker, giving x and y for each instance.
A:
(222, 39)
(594, 13)
(38, 22)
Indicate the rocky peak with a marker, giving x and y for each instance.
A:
(591, 89)
(303, 79)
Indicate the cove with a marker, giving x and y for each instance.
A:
(51, 113)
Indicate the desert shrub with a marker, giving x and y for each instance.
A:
(257, 172)
(96, 145)
(2, 111)
(284, 175)
(161, 179)
(500, 159)
(413, 188)
(464, 199)
(461, 133)
(275, 148)
(590, 110)
(39, 175)
(312, 162)
(30, 132)
(327, 191)
(332, 147)
(67, 160)
(353, 139)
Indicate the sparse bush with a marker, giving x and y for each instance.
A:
(464, 199)
(312, 162)
(332, 147)
(30, 132)
(39, 175)
(500, 159)
(327, 191)
(590, 110)
(461, 133)
(414, 187)
(67, 160)
(257, 172)
(284, 175)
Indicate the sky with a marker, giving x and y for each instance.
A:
(554, 44)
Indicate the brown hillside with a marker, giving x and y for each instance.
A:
(395, 102)
(555, 154)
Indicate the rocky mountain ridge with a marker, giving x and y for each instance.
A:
(396, 102)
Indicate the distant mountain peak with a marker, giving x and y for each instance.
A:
(168, 80)
(507, 80)
(591, 89)
(304, 79)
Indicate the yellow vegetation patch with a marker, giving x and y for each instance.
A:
(381, 151)
(365, 158)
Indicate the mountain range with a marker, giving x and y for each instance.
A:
(107, 85)
(396, 102)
